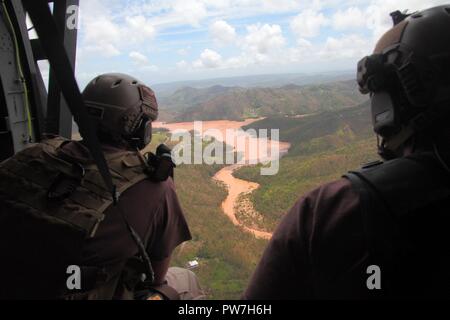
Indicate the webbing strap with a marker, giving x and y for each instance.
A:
(150, 275)
(368, 205)
(379, 230)
(45, 27)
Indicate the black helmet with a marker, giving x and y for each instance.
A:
(408, 76)
(123, 107)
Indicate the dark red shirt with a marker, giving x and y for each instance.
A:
(153, 211)
(317, 251)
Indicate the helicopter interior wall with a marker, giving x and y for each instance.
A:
(7, 149)
(44, 105)
(12, 124)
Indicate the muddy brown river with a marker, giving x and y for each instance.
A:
(235, 186)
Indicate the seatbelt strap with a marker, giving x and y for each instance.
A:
(149, 273)
(367, 205)
(379, 228)
(370, 225)
(47, 32)
(45, 27)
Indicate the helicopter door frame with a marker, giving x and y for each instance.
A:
(21, 110)
(59, 117)
(48, 111)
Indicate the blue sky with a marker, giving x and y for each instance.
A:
(163, 41)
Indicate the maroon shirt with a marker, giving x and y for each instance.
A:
(317, 251)
(153, 211)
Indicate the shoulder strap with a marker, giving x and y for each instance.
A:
(43, 22)
(408, 183)
(379, 229)
(54, 141)
(388, 192)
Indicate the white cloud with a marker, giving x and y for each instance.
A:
(262, 44)
(166, 13)
(263, 39)
(209, 59)
(102, 48)
(115, 27)
(222, 32)
(374, 18)
(107, 34)
(377, 12)
(303, 43)
(348, 46)
(183, 51)
(278, 5)
(142, 61)
(308, 23)
(150, 68)
(190, 11)
(102, 35)
(138, 58)
(139, 29)
(351, 18)
(304, 50)
(182, 64)
(217, 4)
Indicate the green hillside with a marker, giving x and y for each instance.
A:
(188, 97)
(227, 255)
(324, 147)
(234, 103)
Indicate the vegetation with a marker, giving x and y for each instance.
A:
(227, 256)
(324, 147)
(158, 137)
(248, 216)
(235, 103)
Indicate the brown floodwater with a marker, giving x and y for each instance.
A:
(235, 186)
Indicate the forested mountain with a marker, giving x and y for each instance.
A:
(323, 148)
(236, 103)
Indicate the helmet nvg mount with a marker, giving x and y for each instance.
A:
(408, 76)
(123, 107)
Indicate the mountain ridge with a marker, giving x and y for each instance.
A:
(259, 80)
(236, 103)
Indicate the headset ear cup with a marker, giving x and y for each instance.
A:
(143, 135)
(384, 117)
(147, 137)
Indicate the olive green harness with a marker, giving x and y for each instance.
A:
(49, 205)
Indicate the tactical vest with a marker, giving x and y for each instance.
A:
(48, 206)
(405, 206)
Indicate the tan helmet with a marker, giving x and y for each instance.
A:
(123, 108)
